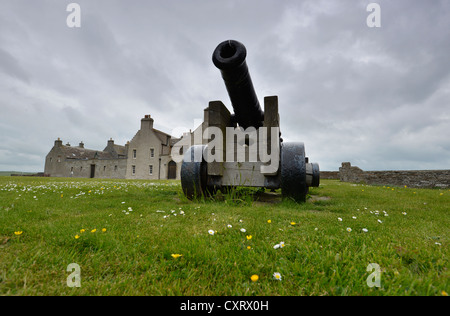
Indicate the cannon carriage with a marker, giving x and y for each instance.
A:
(245, 148)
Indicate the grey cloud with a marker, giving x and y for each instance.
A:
(351, 93)
(10, 66)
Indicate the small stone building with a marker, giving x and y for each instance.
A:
(146, 156)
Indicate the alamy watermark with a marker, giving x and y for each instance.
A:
(74, 278)
(74, 18)
(374, 18)
(374, 279)
(237, 145)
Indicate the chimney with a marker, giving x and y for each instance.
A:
(127, 145)
(58, 143)
(81, 145)
(110, 146)
(147, 122)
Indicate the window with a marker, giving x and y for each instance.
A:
(115, 168)
(104, 168)
(51, 159)
(150, 169)
(152, 152)
(133, 170)
(134, 153)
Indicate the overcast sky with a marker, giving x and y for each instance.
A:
(377, 97)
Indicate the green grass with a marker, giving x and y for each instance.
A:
(134, 255)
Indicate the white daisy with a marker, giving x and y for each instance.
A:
(277, 276)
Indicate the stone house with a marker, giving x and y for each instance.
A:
(146, 156)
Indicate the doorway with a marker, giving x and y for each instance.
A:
(172, 172)
(92, 171)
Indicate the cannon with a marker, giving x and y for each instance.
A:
(244, 148)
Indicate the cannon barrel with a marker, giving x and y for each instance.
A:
(229, 56)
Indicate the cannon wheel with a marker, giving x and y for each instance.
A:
(293, 171)
(194, 172)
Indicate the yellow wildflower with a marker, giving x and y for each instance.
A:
(82, 230)
(77, 236)
(254, 277)
(176, 255)
(94, 230)
(293, 223)
(249, 237)
(269, 221)
(103, 229)
(18, 233)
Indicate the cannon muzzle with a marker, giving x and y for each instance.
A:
(229, 56)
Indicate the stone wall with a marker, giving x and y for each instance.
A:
(331, 175)
(410, 178)
(76, 168)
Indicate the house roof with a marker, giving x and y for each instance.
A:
(162, 136)
(173, 141)
(120, 150)
(83, 153)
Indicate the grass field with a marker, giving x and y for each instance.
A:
(127, 238)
